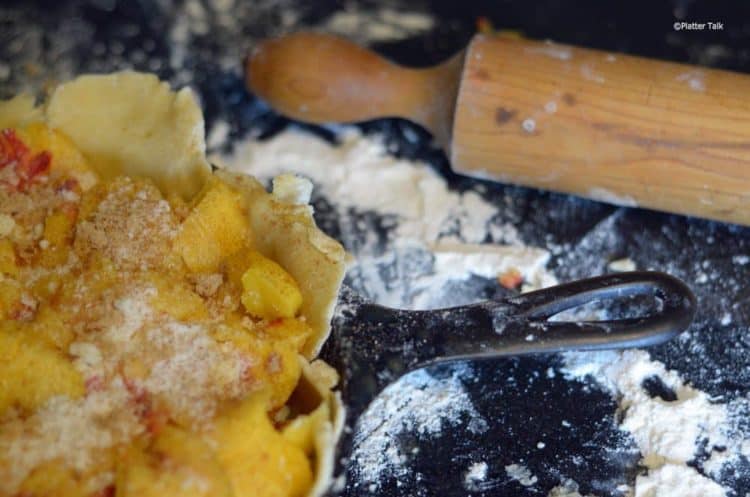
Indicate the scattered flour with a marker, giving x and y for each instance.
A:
(360, 173)
(589, 72)
(608, 196)
(418, 403)
(453, 260)
(475, 475)
(669, 433)
(521, 474)
(236, 26)
(528, 125)
(621, 265)
(568, 488)
(694, 79)
(378, 25)
(552, 50)
(218, 135)
(437, 235)
(676, 480)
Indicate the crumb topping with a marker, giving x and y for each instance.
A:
(92, 278)
(132, 225)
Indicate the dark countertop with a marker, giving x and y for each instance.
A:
(520, 404)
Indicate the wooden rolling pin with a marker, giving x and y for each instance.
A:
(610, 127)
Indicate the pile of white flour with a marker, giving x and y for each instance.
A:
(436, 236)
(669, 433)
(441, 235)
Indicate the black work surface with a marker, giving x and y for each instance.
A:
(521, 404)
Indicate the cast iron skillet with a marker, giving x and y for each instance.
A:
(371, 346)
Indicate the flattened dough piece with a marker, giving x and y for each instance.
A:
(132, 123)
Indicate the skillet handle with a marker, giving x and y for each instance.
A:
(372, 345)
(531, 313)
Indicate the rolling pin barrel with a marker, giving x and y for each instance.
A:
(611, 127)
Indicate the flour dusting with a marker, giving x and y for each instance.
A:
(418, 403)
(676, 480)
(568, 488)
(432, 235)
(359, 173)
(671, 422)
(378, 25)
(236, 26)
(521, 474)
(475, 475)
